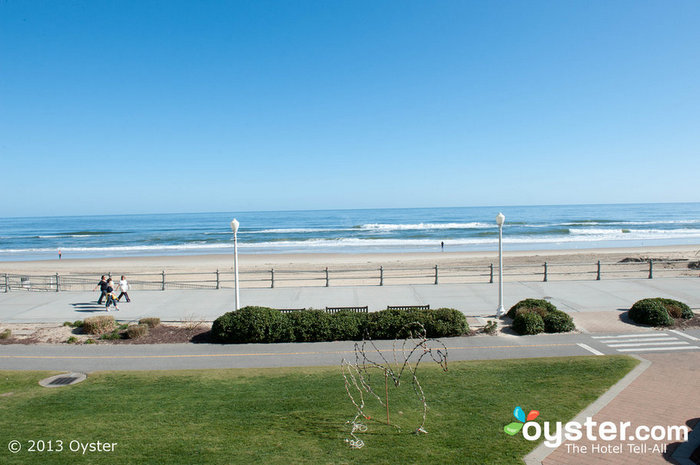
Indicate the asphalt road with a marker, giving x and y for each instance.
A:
(89, 358)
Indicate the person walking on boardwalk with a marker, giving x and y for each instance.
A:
(123, 287)
(110, 296)
(103, 289)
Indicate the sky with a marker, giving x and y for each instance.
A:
(168, 106)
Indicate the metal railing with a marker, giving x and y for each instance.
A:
(327, 277)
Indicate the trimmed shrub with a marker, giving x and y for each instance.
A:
(540, 306)
(6, 334)
(310, 325)
(150, 322)
(554, 320)
(387, 324)
(71, 340)
(261, 324)
(348, 326)
(528, 323)
(676, 309)
(558, 322)
(444, 322)
(137, 331)
(252, 324)
(650, 312)
(99, 324)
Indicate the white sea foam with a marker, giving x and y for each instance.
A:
(402, 227)
(297, 230)
(590, 235)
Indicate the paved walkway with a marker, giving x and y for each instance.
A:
(472, 299)
(666, 394)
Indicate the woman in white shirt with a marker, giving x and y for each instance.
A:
(123, 287)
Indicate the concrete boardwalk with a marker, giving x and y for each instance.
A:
(472, 299)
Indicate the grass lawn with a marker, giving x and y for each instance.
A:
(295, 415)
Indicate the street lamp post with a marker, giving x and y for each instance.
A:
(234, 227)
(500, 219)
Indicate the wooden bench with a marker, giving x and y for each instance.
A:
(408, 307)
(347, 309)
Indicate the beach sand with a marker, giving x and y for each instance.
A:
(359, 269)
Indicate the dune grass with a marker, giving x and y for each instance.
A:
(295, 415)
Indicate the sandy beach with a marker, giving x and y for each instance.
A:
(309, 269)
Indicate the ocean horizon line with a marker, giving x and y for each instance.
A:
(322, 210)
(352, 230)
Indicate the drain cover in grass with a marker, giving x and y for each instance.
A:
(65, 379)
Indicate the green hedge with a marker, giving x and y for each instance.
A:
(528, 323)
(540, 306)
(558, 322)
(262, 324)
(659, 311)
(252, 324)
(552, 319)
(676, 309)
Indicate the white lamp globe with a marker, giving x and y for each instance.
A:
(500, 219)
(234, 225)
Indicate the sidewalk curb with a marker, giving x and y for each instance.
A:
(541, 452)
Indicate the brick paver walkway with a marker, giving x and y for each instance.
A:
(667, 393)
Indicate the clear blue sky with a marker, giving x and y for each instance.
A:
(168, 106)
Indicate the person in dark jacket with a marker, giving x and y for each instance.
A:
(103, 289)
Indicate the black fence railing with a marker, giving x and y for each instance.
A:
(349, 277)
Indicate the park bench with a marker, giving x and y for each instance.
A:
(290, 310)
(408, 307)
(347, 309)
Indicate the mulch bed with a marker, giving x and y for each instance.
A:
(164, 334)
(161, 334)
(692, 323)
(14, 340)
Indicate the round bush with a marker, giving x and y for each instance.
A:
(252, 324)
(540, 306)
(444, 322)
(151, 322)
(558, 322)
(99, 324)
(676, 309)
(528, 323)
(650, 312)
(137, 331)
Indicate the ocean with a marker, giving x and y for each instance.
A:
(351, 231)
